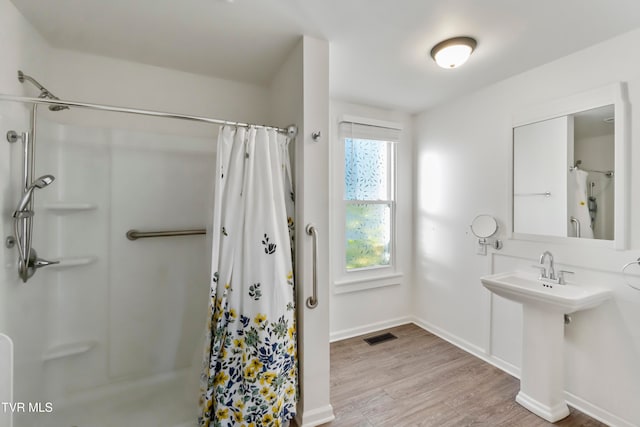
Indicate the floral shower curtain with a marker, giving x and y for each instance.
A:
(249, 375)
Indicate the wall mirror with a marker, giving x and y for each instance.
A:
(569, 177)
(484, 226)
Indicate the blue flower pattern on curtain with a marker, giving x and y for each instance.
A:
(249, 375)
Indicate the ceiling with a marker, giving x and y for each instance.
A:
(597, 122)
(379, 48)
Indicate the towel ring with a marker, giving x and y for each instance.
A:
(625, 273)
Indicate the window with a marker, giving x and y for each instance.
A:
(369, 206)
(369, 196)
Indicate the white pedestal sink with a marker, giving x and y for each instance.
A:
(544, 305)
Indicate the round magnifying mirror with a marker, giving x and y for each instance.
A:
(484, 226)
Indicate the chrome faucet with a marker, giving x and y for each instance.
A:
(551, 275)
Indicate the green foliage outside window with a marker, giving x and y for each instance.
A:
(367, 235)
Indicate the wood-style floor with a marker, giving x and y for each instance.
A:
(422, 380)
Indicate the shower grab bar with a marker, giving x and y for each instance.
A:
(135, 234)
(545, 194)
(312, 301)
(576, 225)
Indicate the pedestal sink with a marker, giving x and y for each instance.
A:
(544, 305)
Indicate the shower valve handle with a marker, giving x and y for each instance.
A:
(39, 262)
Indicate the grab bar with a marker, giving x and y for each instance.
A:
(545, 194)
(312, 301)
(135, 234)
(576, 225)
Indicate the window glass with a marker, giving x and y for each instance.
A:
(366, 169)
(368, 235)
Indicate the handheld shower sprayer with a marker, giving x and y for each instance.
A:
(22, 223)
(41, 182)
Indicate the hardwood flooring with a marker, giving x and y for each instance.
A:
(422, 380)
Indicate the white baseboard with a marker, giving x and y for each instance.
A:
(457, 341)
(475, 350)
(595, 412)
(316, 417)
(507, 367)
(366, 329)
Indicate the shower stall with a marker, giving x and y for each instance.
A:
(109, 329)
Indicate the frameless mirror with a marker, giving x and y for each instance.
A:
(569, 170)
(484, 226)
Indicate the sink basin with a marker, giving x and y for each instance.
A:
(525, 288)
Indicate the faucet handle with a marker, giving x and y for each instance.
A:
(543, 270)
(561, 274)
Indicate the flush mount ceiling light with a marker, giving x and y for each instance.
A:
(452, 53)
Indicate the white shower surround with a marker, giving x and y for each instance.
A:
(132, 315)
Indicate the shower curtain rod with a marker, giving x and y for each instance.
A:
(290, 131)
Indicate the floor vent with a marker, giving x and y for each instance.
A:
(377, 339)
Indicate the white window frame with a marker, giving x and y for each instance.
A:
(351, 280)
(391, 202)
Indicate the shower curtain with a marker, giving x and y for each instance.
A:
(579, 208)
(249, 374)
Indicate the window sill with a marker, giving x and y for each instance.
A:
(346, 286)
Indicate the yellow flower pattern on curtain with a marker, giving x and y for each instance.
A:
(249, 375)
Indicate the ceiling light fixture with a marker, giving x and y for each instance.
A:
(452, 53)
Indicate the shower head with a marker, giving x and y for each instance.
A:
(44, 92)
(41, 182)
(58, 107)
(55, 107)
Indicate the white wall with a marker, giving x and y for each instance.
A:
(96, 79)
(461, 169)
(312, 177)
(21, 47)
(364, 306)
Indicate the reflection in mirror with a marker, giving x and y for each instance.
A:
(484, 226)
(593, 173)
(563, 175)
